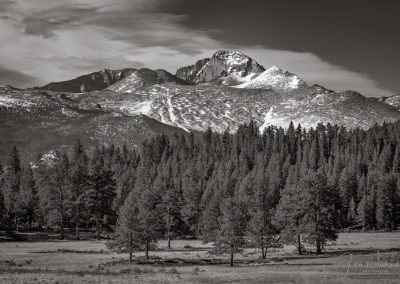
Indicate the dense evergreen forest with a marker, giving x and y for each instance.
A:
(281, 186)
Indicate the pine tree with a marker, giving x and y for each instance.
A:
(12, 179)
(28, 199)
(385, 206)
(127, 231)
(151, 219)
(352, 212)
(366, 209)
(191, 212)
(289, 216)
(101, 194)
(262, 233)
(319, 215)
(348, 190)
(261, 204)
(2, 205)
(397, 204)
(230, 237)
(58, 193)
(171, 201)
(79, 187)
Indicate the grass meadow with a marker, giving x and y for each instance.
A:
(353, 258)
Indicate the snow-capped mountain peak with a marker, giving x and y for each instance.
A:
(275, 78)
(231, 57)
(227, 67)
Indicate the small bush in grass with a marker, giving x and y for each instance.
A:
(11, 262)
(124, 270)
(173, 271)
(187, 246)
(162, 270)
(81, 273)
(60, 271)
(196, 270)
(136, 270)
(147, 270)
(139, 270)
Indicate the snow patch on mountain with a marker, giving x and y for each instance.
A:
(9, 102)
(129, 84)
(172, 116)
(393, 101)
(135, 108)
(274, 78)
(269, 117)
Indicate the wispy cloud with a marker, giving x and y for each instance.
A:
(46, 22)
(5, 5)
(56, 40)
(315, 70)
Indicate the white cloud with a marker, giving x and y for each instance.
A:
(314, 70)
(66, 38)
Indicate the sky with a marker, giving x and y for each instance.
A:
(339, 44)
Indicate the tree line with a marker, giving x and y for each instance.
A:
(248, 189)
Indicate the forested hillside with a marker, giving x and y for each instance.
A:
(248, 189)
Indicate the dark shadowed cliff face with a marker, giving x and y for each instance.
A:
(227, 67)
(189, 73)
(90, 82)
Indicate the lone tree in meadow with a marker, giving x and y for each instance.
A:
(288, 217)
(151, 218)
(127, 229)
(319, 219)
(230, 238)
(261, 232)
(140, 223)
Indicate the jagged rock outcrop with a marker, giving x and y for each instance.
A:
(189, 73)
(90, 82)
(226, 67)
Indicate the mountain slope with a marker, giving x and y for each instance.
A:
(207, 105)
(90, 82)
(38, 122)
(222, 92)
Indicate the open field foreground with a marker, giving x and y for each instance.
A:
(353, 258)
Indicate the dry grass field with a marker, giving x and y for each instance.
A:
(353, 258)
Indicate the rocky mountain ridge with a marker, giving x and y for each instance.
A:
(222, 92)
(90, 82)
